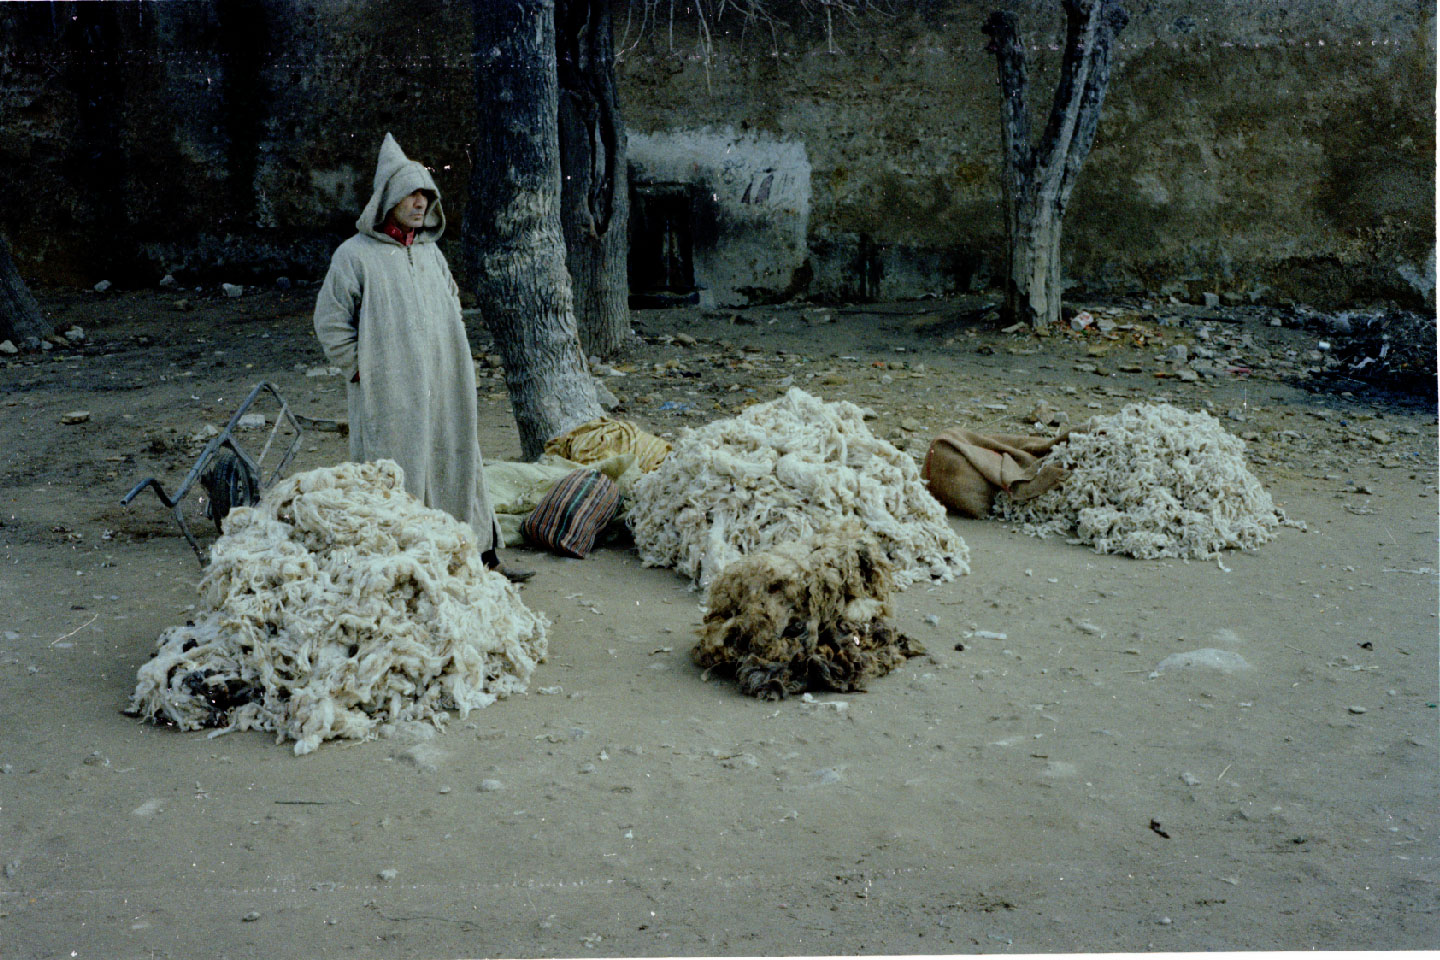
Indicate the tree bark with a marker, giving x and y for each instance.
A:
(20, 316)
(1036, 183)
(511, 238)
(594, 194)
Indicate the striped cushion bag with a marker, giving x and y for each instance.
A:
(568, 518)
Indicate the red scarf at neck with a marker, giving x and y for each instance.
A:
(399, 234)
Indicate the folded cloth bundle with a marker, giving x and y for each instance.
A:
(965, 470)
(603, 437)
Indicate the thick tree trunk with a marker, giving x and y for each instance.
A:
(20, 317)
(512, 239)
(594, 196)
(1036, 183)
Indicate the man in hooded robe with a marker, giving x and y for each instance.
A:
(388, 315)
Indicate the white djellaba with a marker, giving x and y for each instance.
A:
(775, 474)
(1152, 481)
(336, 605)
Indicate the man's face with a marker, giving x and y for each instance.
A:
(409, 213)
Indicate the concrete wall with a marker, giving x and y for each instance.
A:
(1270, 149)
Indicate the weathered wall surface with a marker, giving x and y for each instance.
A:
(1277, 149)
(1271, 149)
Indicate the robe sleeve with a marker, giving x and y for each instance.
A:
(337, 313)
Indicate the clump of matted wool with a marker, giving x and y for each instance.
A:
(336, 604)
(1152, 481)
(805, 615)
(776, 473)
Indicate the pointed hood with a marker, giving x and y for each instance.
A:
(396, 177)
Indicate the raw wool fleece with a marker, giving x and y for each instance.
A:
(336, 604)
(777, 473)
(804, 615)
(1152, 481)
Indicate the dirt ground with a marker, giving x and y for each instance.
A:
(1036, 791)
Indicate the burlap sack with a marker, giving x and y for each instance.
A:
(964, 470)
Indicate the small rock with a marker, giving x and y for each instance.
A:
(587, 768)
(11, 635)
(250, 917)
(1178, 352)
(167, 281)
(1105, 325)
(1189, 779)
(184, 305)
(282, 283)
(491, 786)
(251, 421)
(75, 334)
(102, 286)
(12, 868)
(1380, 436)
(75, 416)
(911, 425)
(232, 290)
(1356, 709)
(389, 874)
(46, 346)
(608, 400)
(1212, 300)
(1188, 376)
(931, 619)
(685, 340)
(9, 348)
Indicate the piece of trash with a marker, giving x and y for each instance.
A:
(1225, 661)
(1081, 320)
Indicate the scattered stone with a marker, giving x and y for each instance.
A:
(102, 286)
(167, 281)
(491, 786)
(932, 619)
(8, 348)
(389, 874)
(232, 290)
(250, 917)
(1189, 779)
(1105, 325)
(12, 868)
(1212, 301)
(184, 305)
(1380, 436)
(608, 400)
(685, 340)
(1178, 352)
(251, 421)
(282, 283)
(46, 346)
(1356, 710)
(75, 416)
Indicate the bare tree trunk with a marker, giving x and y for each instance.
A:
(1035, 183)
(512, 239)
(20, 316)
(594, 195)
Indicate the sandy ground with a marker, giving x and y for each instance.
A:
(1037, 793)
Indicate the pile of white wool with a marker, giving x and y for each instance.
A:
(337, 604)
(1152, 481)
(775, 474)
